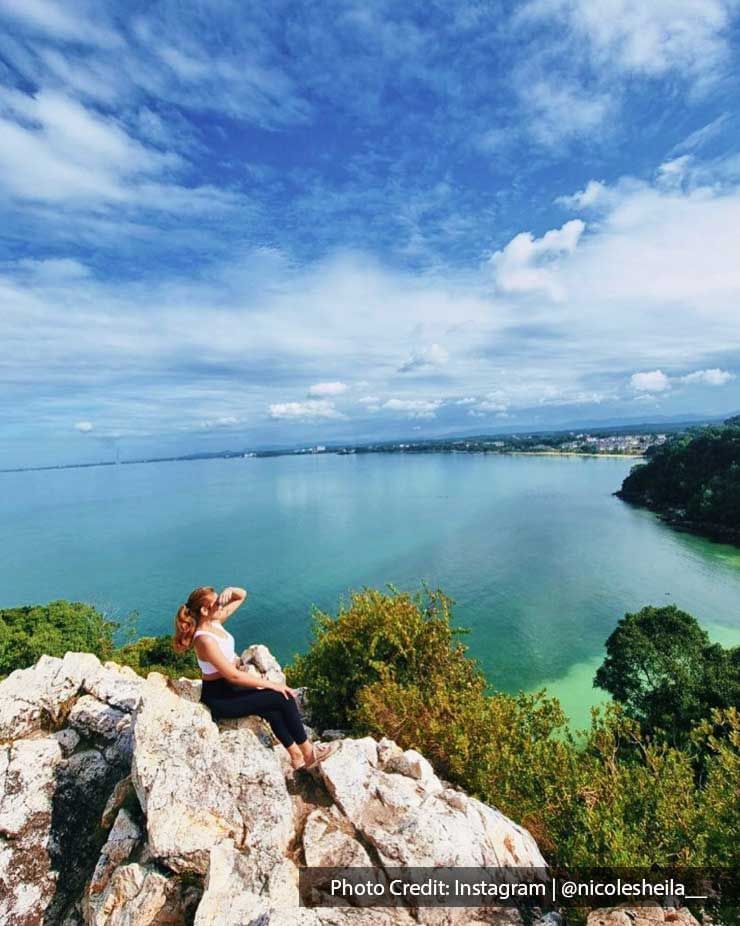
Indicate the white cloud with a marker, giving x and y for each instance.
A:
(527, 264)
(425, 358)
(51, 269)
(713, 377)
(414, 408)
(672, 173)
(466, 400)
(593, 193)
(325, 389)
(310, 409)
(55, 150)
(84, 427)
(652, 381)
(689, 37)
(560, 112)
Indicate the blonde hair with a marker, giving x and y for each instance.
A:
(188, 617)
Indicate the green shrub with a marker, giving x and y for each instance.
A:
(155, 654)
(26, 633)
(390, 665)
(377, 632)
(30, 631)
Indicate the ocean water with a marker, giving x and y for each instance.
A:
(539, 556)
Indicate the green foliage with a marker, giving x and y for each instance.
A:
(28, 632)
(615, 797)
(695, 477)
(718, 808)
(375, 632)
(155, 654)
(661, 667)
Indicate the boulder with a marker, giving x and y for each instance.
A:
(329, 842)
(124, 804)
(140, 895)
(233, 896)
(641, 916)
(39, 698)
(259, 658)
(416, 821)
(200, 788)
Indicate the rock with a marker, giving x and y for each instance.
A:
(200, 789)
(410, 763)
(68, 740)
(137, 895)
(234, 897)
(39, 698)
(27, 879)
(328, 735)
(328, 844)
(49, 809)
(117, 685)
(123, 838)
(641, 916)
(118, 796)
(218, 801)
(188, 688)
(93, 718)
(260, 657)
(413, 821)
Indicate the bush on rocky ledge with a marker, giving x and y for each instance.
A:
(390, 664)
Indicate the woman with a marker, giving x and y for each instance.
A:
(227, 689)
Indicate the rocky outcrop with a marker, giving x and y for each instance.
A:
(123, 804)
(641, 916)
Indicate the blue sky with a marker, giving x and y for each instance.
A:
(229, 225)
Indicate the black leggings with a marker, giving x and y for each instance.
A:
(227, 700)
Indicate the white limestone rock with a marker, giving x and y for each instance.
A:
(200, 789)
(414, 821)
(40, 697)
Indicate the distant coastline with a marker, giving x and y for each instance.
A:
(608, 443)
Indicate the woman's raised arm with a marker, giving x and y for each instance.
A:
(229, 600)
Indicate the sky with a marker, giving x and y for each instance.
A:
(241, 225)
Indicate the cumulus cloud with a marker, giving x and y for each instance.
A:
(308, 410)
(84, 427)
(414, 408)
(651, 381)
(527, 264)
(591, 195)
(425, 358)
(713, 377)
(326, 389)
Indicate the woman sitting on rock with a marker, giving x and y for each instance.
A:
(228, 690)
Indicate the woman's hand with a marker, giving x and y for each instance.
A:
(284, 690)
(226, 596)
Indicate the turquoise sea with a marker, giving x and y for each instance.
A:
(539, 556)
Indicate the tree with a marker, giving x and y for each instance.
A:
(661, 667)
(55, 628)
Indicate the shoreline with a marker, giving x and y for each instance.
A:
(569, 453)
(339, 453)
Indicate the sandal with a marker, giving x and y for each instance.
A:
(321, 751)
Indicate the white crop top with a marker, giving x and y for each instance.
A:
(226, 645)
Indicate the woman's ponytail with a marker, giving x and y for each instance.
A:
(185, 626)
(186, 619)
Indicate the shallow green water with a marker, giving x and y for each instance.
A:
(541, 559)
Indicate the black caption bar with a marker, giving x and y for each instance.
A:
(514, 887)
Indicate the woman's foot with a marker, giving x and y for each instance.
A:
(321, 751)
